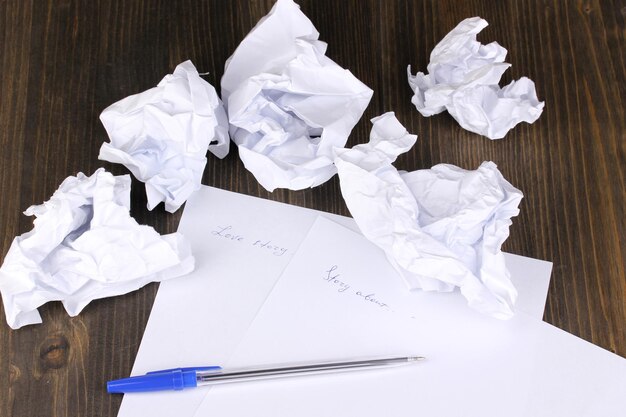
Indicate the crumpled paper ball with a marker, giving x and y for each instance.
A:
(492, 111)
(85, 246)
(442, 228)
(162, 135)
(463, 77)
(288, 104)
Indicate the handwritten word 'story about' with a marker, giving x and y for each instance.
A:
(332, 277)
(227, 233)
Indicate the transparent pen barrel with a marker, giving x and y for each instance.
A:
(210, 378)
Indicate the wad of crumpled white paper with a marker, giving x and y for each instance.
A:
(463, 77)
(441, 228)
(85, 246)
(288, 104)
(162, 135)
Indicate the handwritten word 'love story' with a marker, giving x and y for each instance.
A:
(332, 277)
(226, 232)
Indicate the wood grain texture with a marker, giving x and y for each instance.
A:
(64, 61)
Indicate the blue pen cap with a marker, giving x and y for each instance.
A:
(165, 380)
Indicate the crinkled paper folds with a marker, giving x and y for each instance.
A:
(463, 77)
(442, 228)
(85, 246)
(288, 104)
(162, 135)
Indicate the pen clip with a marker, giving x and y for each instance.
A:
(190, 369)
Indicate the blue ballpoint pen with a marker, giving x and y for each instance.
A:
(179, 378)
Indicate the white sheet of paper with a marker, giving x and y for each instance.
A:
(330, 304)
(201, 318)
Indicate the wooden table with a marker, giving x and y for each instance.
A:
(63, 62)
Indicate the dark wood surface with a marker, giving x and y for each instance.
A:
(63, 62)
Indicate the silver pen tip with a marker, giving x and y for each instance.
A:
(415, 358)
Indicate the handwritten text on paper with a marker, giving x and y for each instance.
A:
(227, 233)
(332, 277)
